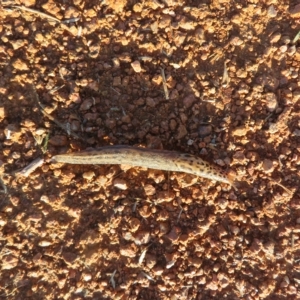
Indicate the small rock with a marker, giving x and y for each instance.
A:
(275, 37)
(186, 24)
(240, 131)
(20, 65)
(136, 65)
(129, 250)
(117, 81)
(75, 97)
(158, 270)
(145, 211)
(149, 190)
(140, 101)
(120, 184)
(187, 180)
(170, 264)
(87, 276)
(272, 12)
(44, 243)
(28, 123)
(134, 224)
(213, 285)
(295, 12)
(178, 38)
(116, 62)
(2, 113)
(88, 175)
(58, 140)
(164, 227)
(165, 21)
(181, 132)
(205, 130)
(222, 203)
(174, 234)
(12, 131)
(195, 261)
(71, 12)
(235, 230)
(271, 102)
(292, 50)
(268, 165)
(296, 95)
(172, 124)
(87, 104)
(3, 220)
(18, 44)
(239, 157)
(283, 48)
(101, 180)
(151, 260)
(127, 236)
(61, 283)
(296, 132)
(28, 2)
(15, 200)
(236, 41)
(189, 100)
(69, 257)
(150, 102)
(9, 262)
(142, 237)
(110, 123)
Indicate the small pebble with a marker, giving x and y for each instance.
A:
(268, 165)
(283, 48)
(136, 65)
(275, 37)
(149, 190)
(2, 113)
(272, 12)
(120, 184)
(88, 175)
(295, 11)
(87, 276)
(128, 250)
(87, 104)
(9, 262)
(205, 130)
(271, 102)
(58, 140)
(44, 243)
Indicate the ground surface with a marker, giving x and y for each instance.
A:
(115, 232)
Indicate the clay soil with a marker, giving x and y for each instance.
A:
(231, 94)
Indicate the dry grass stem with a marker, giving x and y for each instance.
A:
(164, 83)
(30, 168)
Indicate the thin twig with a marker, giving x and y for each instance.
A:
(225, 79)
(142, 256)
(164, 83)
(44, 15)
(112, 280)
(34, 11)
(3, 185)
(30, 168)
(286, 189)
(179, 215)
(296, 38)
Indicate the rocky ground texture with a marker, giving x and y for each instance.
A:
(218, 79)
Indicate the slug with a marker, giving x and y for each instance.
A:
(149, 158)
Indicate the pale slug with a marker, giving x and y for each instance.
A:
(149, 158)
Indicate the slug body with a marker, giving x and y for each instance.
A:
(149, 158)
